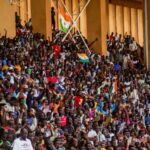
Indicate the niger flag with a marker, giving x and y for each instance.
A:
(83, 57)
(64, 19)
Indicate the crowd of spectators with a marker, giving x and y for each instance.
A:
(50, 100)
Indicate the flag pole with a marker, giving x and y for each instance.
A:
(75, 21)
(76, 25)
(69, 33)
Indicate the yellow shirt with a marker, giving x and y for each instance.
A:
(5, 68)
(103, 149)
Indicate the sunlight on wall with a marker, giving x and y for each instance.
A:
(125, 19)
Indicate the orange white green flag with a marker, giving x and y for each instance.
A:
(83, 57)
(64, 19)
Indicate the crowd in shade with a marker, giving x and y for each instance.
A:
(51, 99)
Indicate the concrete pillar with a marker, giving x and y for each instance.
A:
(134, 24)
(127, 20)
(140, 27)
(17, 9)
(104, 25)
(7, 19)
(76, 11)
(83, 20)
(23, 11)
(69, 5)
(41, 18)
(119, 19)
(55, 5)
(147, 32)
(97, 24)
(28, 9)
(112, 18)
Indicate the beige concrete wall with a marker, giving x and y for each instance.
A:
(83, 20)
(7, 18)
(127, 20)
(146, 9)
(128, 3)
(55, 5)
(97, 24)
(148, 40)
(140, 27)
(146, 33)
(119, 19)
(41, 20)
(104, 24)
(134, 23)
(28, 9)
(17, 9)
(112, 18)
(23, 11)
(93, 24)
(76, 11)
(48, 33)
(68, 4)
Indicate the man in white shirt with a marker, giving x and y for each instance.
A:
(125, 62)
(101, 137)
(133, 46)
(22, 143)
(91, 134)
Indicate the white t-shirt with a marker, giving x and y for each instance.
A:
(92, 134)
(116, 38)
(20, 144)
(131, 47)
(125, 62)
(101, 137)
(63, 56)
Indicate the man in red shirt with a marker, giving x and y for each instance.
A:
(57, 50)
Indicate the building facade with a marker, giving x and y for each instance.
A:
(99, 18)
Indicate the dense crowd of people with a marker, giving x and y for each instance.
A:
(50, 100)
